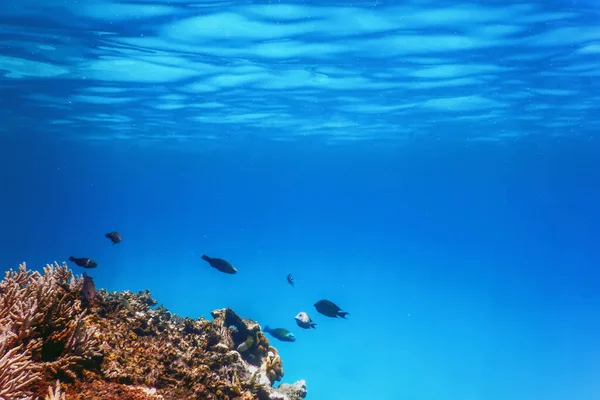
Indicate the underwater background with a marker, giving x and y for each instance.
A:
(431, 167)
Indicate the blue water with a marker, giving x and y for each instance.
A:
(432, 167)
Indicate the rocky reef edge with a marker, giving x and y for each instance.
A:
(61, 339)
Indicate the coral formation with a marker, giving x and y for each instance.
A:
(57, 342)
(55, 394)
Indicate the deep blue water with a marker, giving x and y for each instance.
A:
(432, 167)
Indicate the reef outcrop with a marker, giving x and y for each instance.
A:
(62, 340)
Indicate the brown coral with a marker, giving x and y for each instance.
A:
(272, 365)
(120, 347)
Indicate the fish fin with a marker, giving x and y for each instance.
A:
(342, 314)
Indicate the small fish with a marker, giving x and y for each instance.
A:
(329, 309)
(290, 279)
(125, 303)
(115, 237)
(220, 264)
(280, 333)
(246, 345)
(84, 262)
(304, 321)
(88, 289)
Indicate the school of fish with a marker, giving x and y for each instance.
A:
(324, 307)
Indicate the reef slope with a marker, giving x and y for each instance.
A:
(60, 339)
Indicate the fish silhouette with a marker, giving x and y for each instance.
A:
(220, 264)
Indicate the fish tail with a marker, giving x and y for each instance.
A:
(71, 258)
(343, 314)
(266, 328)
(205, 257)
(313, 325)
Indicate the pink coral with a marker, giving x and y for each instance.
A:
(44, 327)
(17, 372)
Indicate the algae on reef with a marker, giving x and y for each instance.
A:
(57, 344)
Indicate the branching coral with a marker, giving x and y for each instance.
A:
(44, 323)
(117, 346)
(17, 372)
(55, 394)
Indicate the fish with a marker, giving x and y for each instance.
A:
(220, 264)
(245, 345)
(125, 303)
(115, 237)
(290, 279)
(280, 333)
(304, 321)
(88, 290)
(329, 309)
(84, 262)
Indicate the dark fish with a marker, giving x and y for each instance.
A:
(89, 289)
(115, 237)
(84, 262)
(280, 333)
(220, 264)
(304, 321)
(328, 309)
(290, 279)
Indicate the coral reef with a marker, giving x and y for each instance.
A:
(58, 341)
